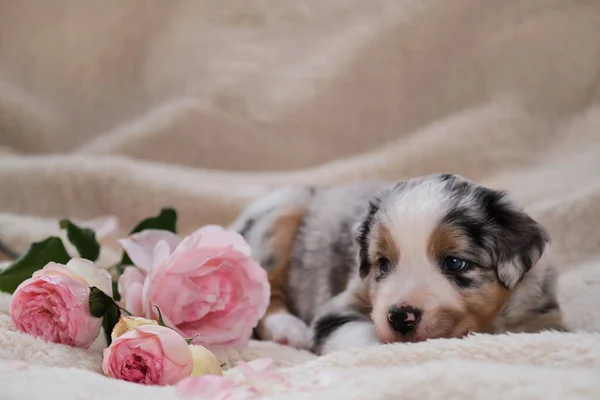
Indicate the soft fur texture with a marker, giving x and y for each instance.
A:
(433, 256)
(125, 107)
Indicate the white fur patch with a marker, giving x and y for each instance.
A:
(411, 217)
(286, 329)
(351, 335)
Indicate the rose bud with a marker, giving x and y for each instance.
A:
(128, 323)
(205, 362)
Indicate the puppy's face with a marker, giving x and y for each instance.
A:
(441, 256)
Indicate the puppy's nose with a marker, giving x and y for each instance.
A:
(404, 319)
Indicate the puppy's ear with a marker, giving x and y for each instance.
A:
(361, 232)
(520, 241)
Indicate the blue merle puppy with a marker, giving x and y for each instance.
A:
(431, 257)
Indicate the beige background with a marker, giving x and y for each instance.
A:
(121, 108)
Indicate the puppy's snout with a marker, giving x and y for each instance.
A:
(405, 319)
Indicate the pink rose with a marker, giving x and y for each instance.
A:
(148, 354)
(207, 285)
(53, 303)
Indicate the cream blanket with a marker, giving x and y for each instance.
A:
(115, 107)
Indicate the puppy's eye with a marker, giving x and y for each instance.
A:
(453, 264)
(384, 265)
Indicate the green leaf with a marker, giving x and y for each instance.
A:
(99, 302)
(189, 341)
(83, 239)
(120, 268)
(103, 306)
(161, 322)
(109, 321)
(126, 312)
(166, 221)
(125, 260)
(115, 290)
(36, 257)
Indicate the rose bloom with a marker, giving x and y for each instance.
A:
(206, 285)
(148, 354)
(53, 303)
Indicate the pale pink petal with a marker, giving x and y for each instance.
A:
(133, 299)
(214, 238)
(161, 254)
(260, 364)
(266, 382)
(187, 244)
(146, 299)
(105, 226)
(190, 262)
(140, 246)
(172, 342)
(205, 386)
(210, 228)
(130, 276)
(130, 286)
(53, 268)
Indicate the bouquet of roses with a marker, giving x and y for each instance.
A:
(166, 301)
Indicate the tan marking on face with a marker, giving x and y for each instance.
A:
(384, 245)
(443, 240)
(360, 300)
(484, 303)
(284, 232)
(445, 322)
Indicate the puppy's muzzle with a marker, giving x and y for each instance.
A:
(404, 319)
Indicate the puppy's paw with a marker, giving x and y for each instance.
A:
(286, 329)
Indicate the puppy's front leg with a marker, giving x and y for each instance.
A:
(343, 331)
(342, 325)
(278, 324)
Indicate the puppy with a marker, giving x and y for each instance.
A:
(431, 257)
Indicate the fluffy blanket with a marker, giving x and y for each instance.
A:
(122, 108)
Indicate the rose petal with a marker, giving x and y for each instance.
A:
(210, 228)
(140, 246)
(130, 286)
(212, 237)
(261, 364)
(205, 386)
(86, 269)
(104, 226)
(161, 253)
(131, 275)
(266, 382)
(133, 299)
(180, 355)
